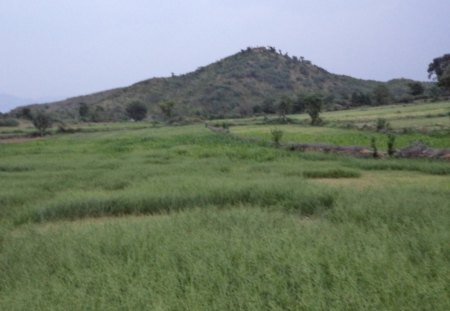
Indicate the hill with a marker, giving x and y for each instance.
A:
(233, 86)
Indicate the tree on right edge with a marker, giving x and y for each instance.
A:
(440, 70)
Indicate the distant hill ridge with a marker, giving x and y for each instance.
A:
(230, 87)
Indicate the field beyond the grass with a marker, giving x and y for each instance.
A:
(182, 218)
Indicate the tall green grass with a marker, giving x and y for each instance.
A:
(242, 258)
(208, 222)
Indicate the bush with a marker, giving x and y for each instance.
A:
(42, 122)
(9, 122)
(136, 111)
(276, 136)
(373, 145)
(382, 125)
(390, 144)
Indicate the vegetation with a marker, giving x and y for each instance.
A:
(390, 144)
(382, 125)
(284, 107)
(8, 122)
(313, 106)
(83, 111)
(382, 95)
(416, 88)
(277, 135)
(136, 111)
(217, 223)
(167, 108)
(42, 122)
(440, 69)
(238, 86)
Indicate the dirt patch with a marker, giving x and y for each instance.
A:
(17, 139)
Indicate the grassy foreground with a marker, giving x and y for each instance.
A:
(184, 219)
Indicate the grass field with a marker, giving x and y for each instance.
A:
(181, 218)
(427, 123)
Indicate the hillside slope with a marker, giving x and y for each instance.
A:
(229, 87)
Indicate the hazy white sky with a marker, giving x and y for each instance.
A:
(63, 48)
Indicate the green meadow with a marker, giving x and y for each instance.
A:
(143, 217)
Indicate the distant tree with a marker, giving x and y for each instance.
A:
(167, 108)
(99, 114)
(434, 92)
(284, 106)
(268, 106)
(416, 88)
(42, 122)
(257, 109)
(298, 105)
(361, 99)
(26, 113)
(382, 95)
(83, 110)
(313, 106)
(136, 111)
(439, 69)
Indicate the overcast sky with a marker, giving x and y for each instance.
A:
(63, 48)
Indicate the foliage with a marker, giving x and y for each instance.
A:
(416, 88)
(373, 145)
(361, 99)
(231, 86)
(390, 144)
(26, 114)
(277, 135)
(439, 68)
(83, 110)
(382, 95)
(268, 106)
(42, 121)
(7, 122)
(136, 111)
(167, 108)
(382, 125)
(284, 107)
(313, 106)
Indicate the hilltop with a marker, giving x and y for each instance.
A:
(230, 87)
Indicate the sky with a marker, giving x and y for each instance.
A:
(64, 48)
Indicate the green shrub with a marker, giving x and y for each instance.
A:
(8, 122)
(276, 136)
(373, 145)
(332, 173)
(42, 122)
(382, 125)
(390, 144)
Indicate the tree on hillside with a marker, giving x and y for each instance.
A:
(440, 70)
(361, 99)
(268, 106)
(167, 108)
(284, 106)
(26, 113)
(313, 106)
(416, 88)
(42, 122)
(136, 111)
(83, 111)
(382, 95)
